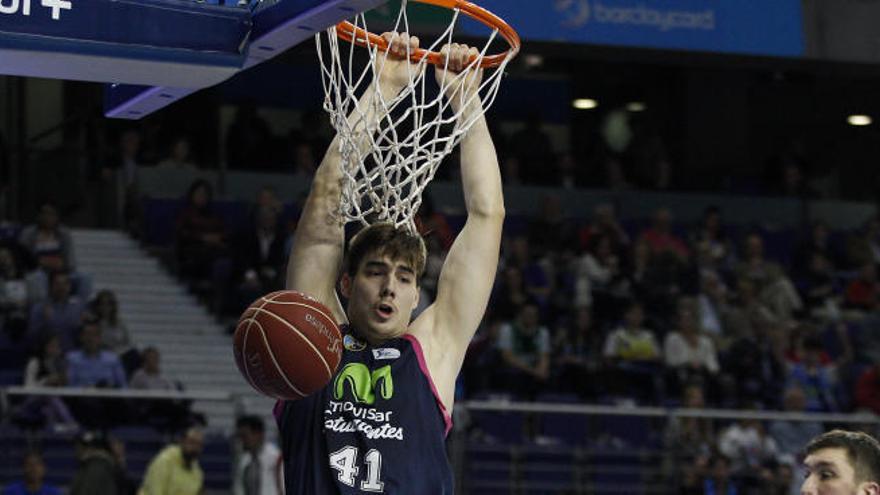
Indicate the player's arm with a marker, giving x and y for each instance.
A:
(466, 280)
(316, 255)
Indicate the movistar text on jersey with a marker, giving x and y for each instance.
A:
(367, 413)
(641, 15)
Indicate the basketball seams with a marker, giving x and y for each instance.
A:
(244, 347)
(298, 332)
(275, 361)
(315, 307)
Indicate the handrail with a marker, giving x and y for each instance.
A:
(656, 412)
(127, 393)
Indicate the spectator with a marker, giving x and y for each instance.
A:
(712, 307)
(868, 389)
(661, 239)
(772, 286)
(789, 435)
(862, 293)
(820, 291)
(863, 247)
(596, 273)
(605, 223)
(47, 369)
(105, 311)
(200, 236)
(176, 470)
(98, 471)
(538, 282)
(578, 354)
(817, 243)
(260, 257)
(509, 294)
(13, 297)
(711, 233)
(817, 380)
(718, 480)
(524, 345)
(756, 367)
(551, 233)
(689, 353)
(91, 366)
(166, 415)
(180, 157)
(747, 446)
(61, 314)
(248, 140)
(632, 353)
(34, 472)
(304, 162)
(259, 470)
(690, 440)
(48, 242)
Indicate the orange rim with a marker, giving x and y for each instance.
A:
(349, 32)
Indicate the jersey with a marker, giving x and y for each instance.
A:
(377, 427)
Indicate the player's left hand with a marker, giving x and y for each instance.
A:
(396, 70)
(457, 58)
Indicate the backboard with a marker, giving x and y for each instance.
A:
(154, 52)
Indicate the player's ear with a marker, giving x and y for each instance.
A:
(870, 488)
(415, 303)
(345, 285)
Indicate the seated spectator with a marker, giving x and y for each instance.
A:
(538, 283)
(820, 291)
(13, 297)
(817, 380)
(509, 293)
(868, 389)
(660, 237)
(46, 369)
(755, 367)
(200, 236)
(180, 157)
(747, 445)
(524, 345)
(61, 314)
(176, 468)
(551, 232)
(790, 435)
(605, 223)
(689, 353)
(105, 311)
(259, 469)
(33, 474)
(772, 287)
(862, 293)
(712, 308)
(718, 480)
(816, 243)
(690, 440)
(863, 247)
(632, 354)
(596, 273)
(577, 354)
(711, 233)
(90, 365)
(260, 258)
(166, 415)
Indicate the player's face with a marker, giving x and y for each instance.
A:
(381, 297)
(828, 472)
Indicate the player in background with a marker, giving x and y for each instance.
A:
(380, 425)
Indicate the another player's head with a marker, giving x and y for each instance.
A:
(842, 463)
(251, 432)
(381, 280)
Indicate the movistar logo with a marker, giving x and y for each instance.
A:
(362, 383)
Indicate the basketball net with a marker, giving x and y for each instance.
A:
(391, 148)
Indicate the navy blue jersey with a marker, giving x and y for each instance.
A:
(377, 427)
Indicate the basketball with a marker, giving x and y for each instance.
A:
(287, 345)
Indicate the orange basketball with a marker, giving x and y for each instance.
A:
(287, 345)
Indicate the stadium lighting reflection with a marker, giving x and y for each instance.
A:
(636, 106)
(859, 120)
(585, 103)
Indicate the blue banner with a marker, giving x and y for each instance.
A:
(753, 27)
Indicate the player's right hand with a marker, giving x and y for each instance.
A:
(396, 70)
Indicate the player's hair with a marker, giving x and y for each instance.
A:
(385, 239)
(251, 422)
(862, 451)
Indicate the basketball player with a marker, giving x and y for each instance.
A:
(380, 424)
(842, 463)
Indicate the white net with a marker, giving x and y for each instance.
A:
(391, 148)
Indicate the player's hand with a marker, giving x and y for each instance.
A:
(396, 70)
(457, 57)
